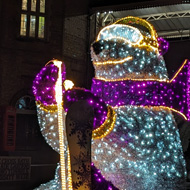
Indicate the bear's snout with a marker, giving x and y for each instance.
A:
(97, 47)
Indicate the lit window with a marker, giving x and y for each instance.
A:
(33, 19)
(41, 27)
(32, 25)
(33, 5)
(26, 102)
(24, 5)
(23, 25)
(42, 6)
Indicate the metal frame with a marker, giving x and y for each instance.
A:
(103, 19)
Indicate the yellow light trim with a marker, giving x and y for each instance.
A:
(114, 62)
(50, 108)
(156, 107)
(174, 110)
(69, 170)
(146, 79)
(144, 41)
(176, 74)
(58, 95)
(51, 61)
(123, 79)
(62, 135)
(140, 21)
(107, 126)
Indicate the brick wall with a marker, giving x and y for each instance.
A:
(75, 49)
(22, 59)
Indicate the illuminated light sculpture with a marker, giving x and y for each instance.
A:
(50, 98)
(168, 93)
(61, 125)
(143, 151)
(47, 89)
(140, 147)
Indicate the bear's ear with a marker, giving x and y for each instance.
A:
(163, 45)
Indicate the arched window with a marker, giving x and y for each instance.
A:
(28, 133)
(26, 103)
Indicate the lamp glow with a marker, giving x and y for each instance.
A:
(68, 84)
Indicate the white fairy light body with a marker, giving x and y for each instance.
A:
(143, 151)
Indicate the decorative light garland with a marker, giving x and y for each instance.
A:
(132, 79)
(179, 70)
(144, 79)
(108, 33)
(143, 143)
(70, 183)
(58, 94)
(62, 135)
(107, 126)
(150, 41)
(114, 62)
(143, 150)
(157, 108)
(51, 108)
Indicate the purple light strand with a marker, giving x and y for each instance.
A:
(163, 45)
(147, 93)
(100, 108)
(44, 84)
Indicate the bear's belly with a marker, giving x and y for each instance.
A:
(143, 152)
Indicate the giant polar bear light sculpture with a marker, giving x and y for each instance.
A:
(140, 148)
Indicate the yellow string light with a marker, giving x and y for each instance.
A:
(50, 108)
(152, 41)
(62, 135)
(107, 126)
(144, 41)
(127, 78)
(146, 79)
(157, 108)
(176, 74)
(69, 170)
(113, 62)
(58, 95)
(174, 110)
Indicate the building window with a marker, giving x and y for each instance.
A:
(28, 136)
(26, 102)
(33, 19)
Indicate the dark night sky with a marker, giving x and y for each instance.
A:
(94, 3)
(76, 7)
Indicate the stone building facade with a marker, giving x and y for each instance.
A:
(31, 35)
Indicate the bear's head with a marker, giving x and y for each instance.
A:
(128, 49)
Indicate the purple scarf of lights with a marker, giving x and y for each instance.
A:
(172, 94)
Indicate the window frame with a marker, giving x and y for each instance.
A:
(28, 12)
